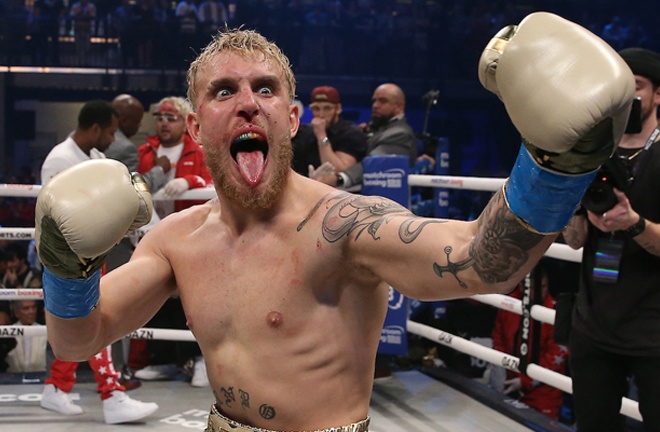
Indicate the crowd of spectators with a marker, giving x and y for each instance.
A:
(432, 38)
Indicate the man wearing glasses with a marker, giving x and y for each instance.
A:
(187, 165)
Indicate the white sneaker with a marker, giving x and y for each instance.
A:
(157, 372)
(56, 400)
(199, 378)
(122, 409)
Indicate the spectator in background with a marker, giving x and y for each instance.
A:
(46, 22)
(18, 273)
(83, 18)
(388, 134)
(615, 333)
(212, 16)
(338, 142)
(125, 25)
(6, 344)
(29, 355)
(97, 124)
(186, 159)
(186, 15)
(130, 112)
(507, 339)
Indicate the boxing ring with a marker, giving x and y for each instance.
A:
(408, 401)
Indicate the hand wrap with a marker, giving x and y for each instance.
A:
(543, 200)
(70, 298)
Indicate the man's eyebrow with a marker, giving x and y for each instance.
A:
(272, 80)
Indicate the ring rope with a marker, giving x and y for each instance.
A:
(629, 407)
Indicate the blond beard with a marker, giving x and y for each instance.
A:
(220, 163)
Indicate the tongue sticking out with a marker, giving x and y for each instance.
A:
(251, 166)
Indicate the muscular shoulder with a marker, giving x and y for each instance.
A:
(179, 225)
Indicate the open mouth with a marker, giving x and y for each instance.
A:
(249, 142)
(250, 150)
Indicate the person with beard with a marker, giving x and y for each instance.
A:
(388, 134)
(285, 280)
(173, 144)
(336, 141)
(615, 332)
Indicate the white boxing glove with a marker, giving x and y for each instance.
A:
(567, 91)
(175, 187)
(80, 215)
(569, 94)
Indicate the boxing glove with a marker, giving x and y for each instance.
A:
(80, 215)
(569, 94)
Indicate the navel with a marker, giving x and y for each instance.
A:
(274, 319)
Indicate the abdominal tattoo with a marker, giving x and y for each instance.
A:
(498, 251)
(231, 398)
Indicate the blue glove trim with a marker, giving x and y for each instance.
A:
(70, 298)
(543, 199)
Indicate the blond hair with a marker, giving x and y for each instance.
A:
(248, 43)
(181, 104)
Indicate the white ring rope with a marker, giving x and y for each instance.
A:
(14, 331)
(629, 407)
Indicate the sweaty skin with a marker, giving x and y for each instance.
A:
(285, 281)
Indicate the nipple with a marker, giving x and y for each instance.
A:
(274, 319)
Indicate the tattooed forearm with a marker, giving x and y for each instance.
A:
(502, 245)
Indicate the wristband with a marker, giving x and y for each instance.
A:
(70, 298)
(636, 229)
(544, 200)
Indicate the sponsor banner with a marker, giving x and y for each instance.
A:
(387, 176)
(441, 196)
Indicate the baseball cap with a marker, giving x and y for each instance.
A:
(325, 94)
(643, 62)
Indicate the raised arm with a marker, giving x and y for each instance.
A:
(569, 95)
(80, 215)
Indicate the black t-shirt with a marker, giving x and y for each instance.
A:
(344, 136)
(624, 316)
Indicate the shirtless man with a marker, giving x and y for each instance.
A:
(278, 261)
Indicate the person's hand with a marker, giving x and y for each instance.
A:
(175, 187)
(326, 169)
(80, 215)
(568, 92)
(164, 163)
(618, 218)
(512, 385)
(319, 128)
(11, 277)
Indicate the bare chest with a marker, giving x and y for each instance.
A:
(255, 289)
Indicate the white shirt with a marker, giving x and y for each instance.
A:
(64, 155)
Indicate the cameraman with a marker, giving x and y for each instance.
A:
(616, 320)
